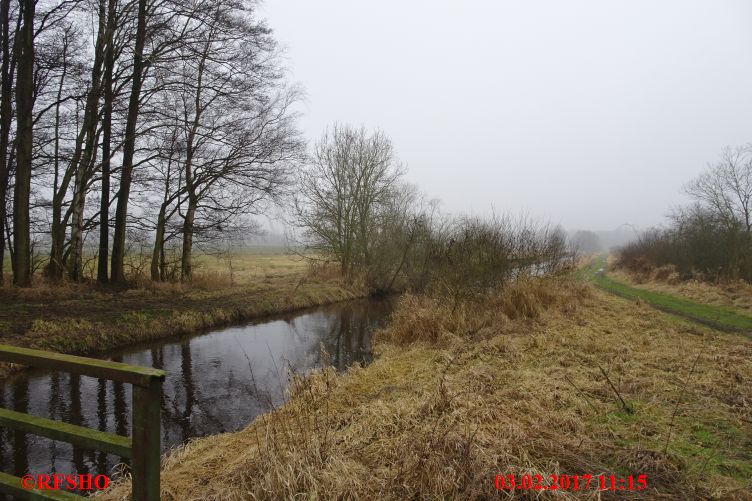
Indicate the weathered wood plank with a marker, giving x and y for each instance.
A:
(83, 437)
(146, 436)
(114, 371)
(143, 449)
(12, 485)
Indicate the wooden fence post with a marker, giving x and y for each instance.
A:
(145, 463)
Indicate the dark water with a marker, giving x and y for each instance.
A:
(216, 382)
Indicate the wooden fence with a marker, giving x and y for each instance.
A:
(142, 449)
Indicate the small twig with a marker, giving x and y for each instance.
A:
(276, 370)
(708, 457)
(566, 378)
(681, 396)
(250, 365)
(624, 405)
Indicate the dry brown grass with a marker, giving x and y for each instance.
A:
(734, 294)
(506, 386)
(435, 319)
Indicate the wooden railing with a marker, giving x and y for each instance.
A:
(142, 449)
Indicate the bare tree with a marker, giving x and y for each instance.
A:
(585, 242)
(126, 173)
(725, 189)
(86, 147)
(24, 47)
(230, 139)
(349, 179)
(711, 238)
(168, 183)
(7, 69)
(109, 100)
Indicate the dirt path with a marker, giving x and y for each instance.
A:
(719, 317)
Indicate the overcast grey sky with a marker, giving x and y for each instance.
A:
(590, 113)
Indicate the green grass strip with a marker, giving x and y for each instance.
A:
(716, 316)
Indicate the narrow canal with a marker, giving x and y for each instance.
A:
(216, 382)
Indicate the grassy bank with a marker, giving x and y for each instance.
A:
(549, 378)
(732, 294)
(716, 315)
(85, 319)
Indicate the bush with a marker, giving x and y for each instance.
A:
(695, 245)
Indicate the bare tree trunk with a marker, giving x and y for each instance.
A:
(6, 118)
(8, 239)
(186, 268)
(57, 257)
(408, 244)
(109, 97)
(55, 266)
(76, 244)
(129, 146)
(162, 264)
(186, 265)
(54, 269)
(158, 253)
(24, 47)
(91, 116)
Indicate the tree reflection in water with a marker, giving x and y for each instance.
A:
(217, 382)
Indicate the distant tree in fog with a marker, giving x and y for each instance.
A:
(585, 242)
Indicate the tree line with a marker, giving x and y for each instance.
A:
(162, 122)
(149, 127)
(711, 237)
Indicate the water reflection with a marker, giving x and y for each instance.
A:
(217, 382)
